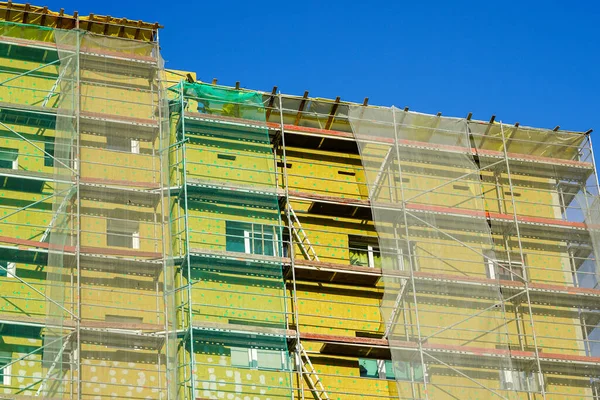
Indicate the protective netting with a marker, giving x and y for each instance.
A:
(488, 240)
(171, 321)
(84, 118)
(547, 191)
(123, 280)
(60, 339)
(228, 243)
(430, 240)
(587, 276)
(36, 232)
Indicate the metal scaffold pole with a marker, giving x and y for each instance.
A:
(410, 255)
(187, 245)
(526, 276)
(298, 356)
(77, 162)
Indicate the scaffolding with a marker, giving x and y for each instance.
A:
(207, 242)
(228, 247)
(83, 310)
(468, 267)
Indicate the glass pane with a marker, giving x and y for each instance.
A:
(5, 358)
(418, 372)
(263, 244)
(359, 257)
(389, 370)
(269, 359)
(401, 370)
(239, 357)
(368, 368)
(235, 237)
(9, 155)
(48, 160)
(119, 239)
(376, 258)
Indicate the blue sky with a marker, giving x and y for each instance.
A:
(535, 63)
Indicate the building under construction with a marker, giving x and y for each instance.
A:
(164, 238)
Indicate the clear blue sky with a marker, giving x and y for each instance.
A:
(536, 63)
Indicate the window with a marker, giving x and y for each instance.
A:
(240, 357)
(258, 358)
(9, 269)
(121, 233)
(519, 380)
(504, 270)
(135, 146)
(123, 144)
(364, 253)
(387, 369)
(286, 244)
(226, 157)
(5, 369)
(251, 239)
(9, 158)
(270, 359)
(5, 374)
(368, 368)
(408, 371)
(49, 155)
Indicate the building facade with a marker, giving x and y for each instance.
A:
(165, 238)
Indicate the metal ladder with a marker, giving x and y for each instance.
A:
(376, 187)
(315, 385)
(57, 213)
(52, 91)
(395, 310)
(305, 245)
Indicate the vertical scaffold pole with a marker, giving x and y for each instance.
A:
(525, 267)
(589, 139)
(410, 255)
(297, 354)
(187, 244)
(165, 230)
(78, 202)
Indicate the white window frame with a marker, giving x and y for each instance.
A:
(11, 270)
(371, 257)
(7, 375)
(135, 146)
(253, 358)
(370, 252)
(12, 153)
(248, 242)
(364, 244)
(382, 372)
(120, 144)
(520, 380)
(135, 240)
(132, 231)
(491, 268)
(507, 381)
